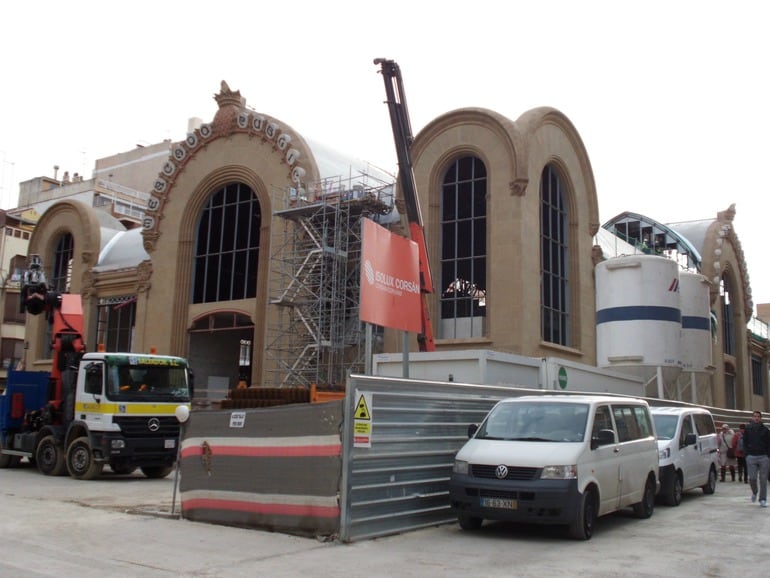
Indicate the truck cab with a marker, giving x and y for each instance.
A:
(117, 409)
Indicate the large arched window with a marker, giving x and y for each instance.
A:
(227, 246)
(463, 249)
(728, 323)
(554, 259)
(61, 268)
(60, 279)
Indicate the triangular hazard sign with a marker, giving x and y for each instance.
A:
(362, 412)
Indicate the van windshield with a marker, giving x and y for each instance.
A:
(537, 421)
(665, 426)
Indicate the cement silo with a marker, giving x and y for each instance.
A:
(696, 322)
(638, 317)
(696, 337)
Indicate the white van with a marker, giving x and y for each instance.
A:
(557, 459)
(687, 447)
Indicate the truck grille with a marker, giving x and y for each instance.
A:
(514, 472)
(139, 427)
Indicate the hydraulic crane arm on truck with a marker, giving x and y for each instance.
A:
(402, 134)
(91, 409)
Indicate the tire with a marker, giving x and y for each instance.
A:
(711, 485)
(155, 472)
(469, 523)
(644, 508)
(673, 496)
(122, 469)
(582, 527)
(7, 461)
(80, 461)
(49, 457)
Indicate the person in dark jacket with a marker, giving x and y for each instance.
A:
(756, 444)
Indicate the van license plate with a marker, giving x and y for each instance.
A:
(501, 503)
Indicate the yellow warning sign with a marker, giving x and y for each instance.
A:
(362, 411)
(362, 421)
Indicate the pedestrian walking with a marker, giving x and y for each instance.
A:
(740, 454)
(726, 452)
(756, 444)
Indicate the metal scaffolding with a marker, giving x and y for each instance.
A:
(314, 332)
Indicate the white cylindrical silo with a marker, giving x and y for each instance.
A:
(638, 316)
(696, 321)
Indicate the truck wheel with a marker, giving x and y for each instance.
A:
(673, 496)
(7, 461)
(50, 457)
(470, 523)
(80, 461)
(156, 471)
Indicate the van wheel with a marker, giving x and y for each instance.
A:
(674, 493)
(646, 506)
(582, 527)
(469, 522)
(711, 485)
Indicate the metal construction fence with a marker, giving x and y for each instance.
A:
(374, 464)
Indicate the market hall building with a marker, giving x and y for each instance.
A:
(239, 248)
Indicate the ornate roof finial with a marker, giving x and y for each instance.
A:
(727, 215)
(227, 96)
(230, 103)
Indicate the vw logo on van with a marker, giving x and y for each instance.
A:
(501, 472)
(153, 424)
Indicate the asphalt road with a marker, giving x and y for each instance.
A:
(122, 526)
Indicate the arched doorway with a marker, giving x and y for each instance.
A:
(220, 352)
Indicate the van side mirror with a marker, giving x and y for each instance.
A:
(690, 439)
(472, 429)
(604, 437)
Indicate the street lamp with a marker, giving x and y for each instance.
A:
(182, 413)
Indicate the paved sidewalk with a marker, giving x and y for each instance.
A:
(121, 526)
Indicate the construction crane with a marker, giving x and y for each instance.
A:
(402, 135)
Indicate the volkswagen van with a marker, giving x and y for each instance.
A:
(557, 459)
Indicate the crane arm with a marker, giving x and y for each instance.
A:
(402, 135)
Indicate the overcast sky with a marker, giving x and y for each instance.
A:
(670, 97)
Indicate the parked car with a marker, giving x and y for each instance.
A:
(687, 449)
(557, 459)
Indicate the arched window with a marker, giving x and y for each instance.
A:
(61, 269)
(463, 249)
(554, 259)
(227, 246)
(728, 323)
(60, 279)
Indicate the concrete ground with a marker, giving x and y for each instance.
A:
(122, 526)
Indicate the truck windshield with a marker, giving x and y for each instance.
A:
(536, 421)
(148, 379)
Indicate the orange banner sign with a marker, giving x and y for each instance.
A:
(390, 279)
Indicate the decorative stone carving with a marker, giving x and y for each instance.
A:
(518, 187)
(143, 276)
(597, 255)
(87, 284)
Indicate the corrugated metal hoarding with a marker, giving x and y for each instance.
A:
(399, 444)
(277, 468)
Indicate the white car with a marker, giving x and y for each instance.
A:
(687, 449)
